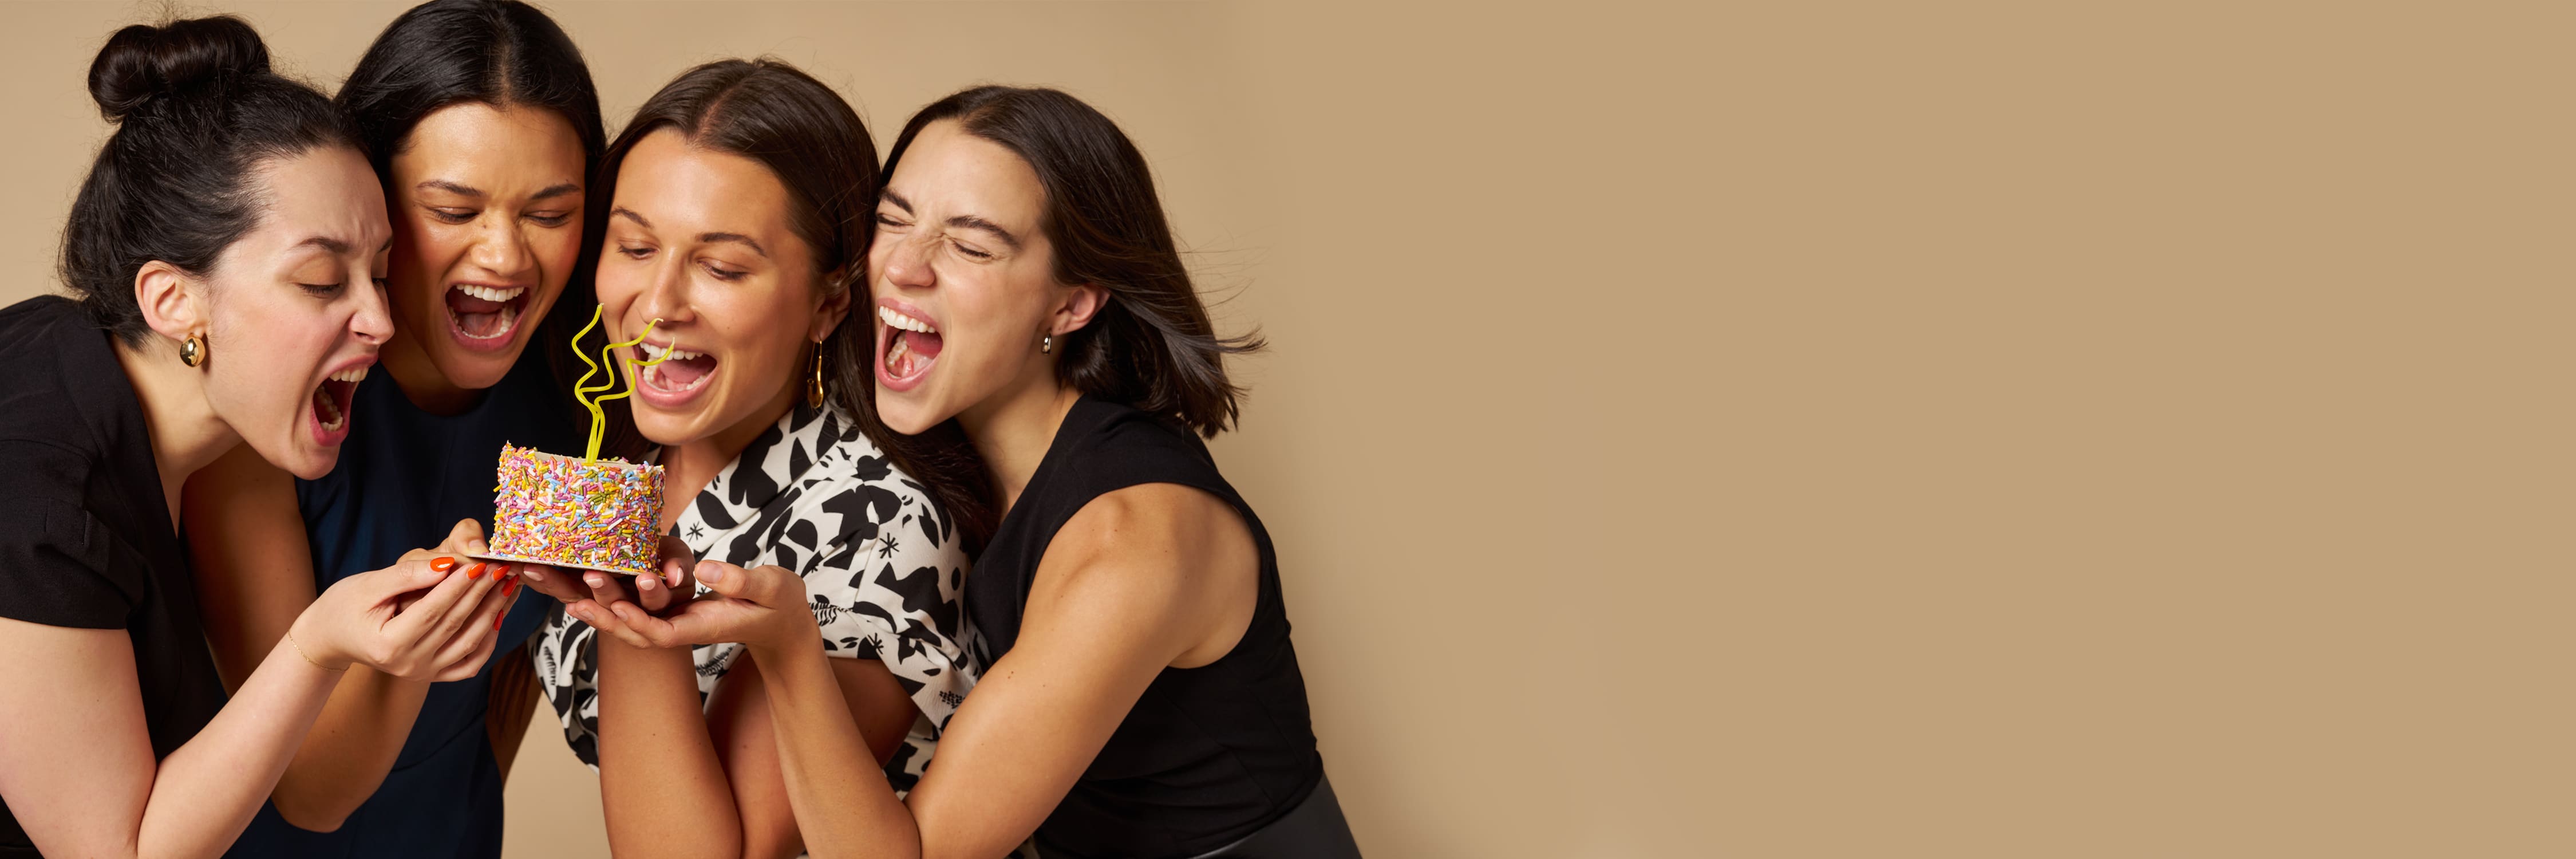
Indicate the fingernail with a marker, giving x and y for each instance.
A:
(532, 574)
(711, 573)
(473, 569)
(508, 586)
(442, 564)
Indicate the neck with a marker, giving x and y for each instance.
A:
(186, 433)
(1013, 430)
(687, 467)
(419, 378)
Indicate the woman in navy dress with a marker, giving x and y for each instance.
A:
(482, 124)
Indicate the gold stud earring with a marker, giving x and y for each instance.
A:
(1046, 344)
(814, 392)
(192, 351)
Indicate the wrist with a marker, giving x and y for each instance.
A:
(316, 650)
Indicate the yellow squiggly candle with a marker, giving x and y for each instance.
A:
(581, 389)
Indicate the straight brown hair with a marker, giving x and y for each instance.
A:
(819, 148)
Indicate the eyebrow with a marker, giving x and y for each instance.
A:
(461, 190)
(734, 237)
(629, 214)
(967, 221)
(335, 246)
(450, 187)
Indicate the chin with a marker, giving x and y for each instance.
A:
(900, 413)
(477, 370)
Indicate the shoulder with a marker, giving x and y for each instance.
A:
(1145, 538)
(856, 493)
(55, 360)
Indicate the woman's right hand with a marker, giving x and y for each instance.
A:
(384, 619)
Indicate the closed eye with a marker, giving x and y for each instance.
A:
(451, 215)
(550, 219)
(963, 248)
(634, 252)
(323, 290)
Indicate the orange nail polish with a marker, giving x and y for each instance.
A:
(472, 570)
(442, 564)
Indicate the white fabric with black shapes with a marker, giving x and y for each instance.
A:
(881, 565)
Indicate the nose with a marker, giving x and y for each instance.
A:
(374, 321)
(907, 263)
(501, 249)
(666, 298)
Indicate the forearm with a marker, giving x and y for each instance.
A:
(206, 791)
(352, 746)
(663, 789)
(844, 807)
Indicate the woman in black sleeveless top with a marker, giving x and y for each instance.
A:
(1140, 696)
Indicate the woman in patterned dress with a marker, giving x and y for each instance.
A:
(738, 225)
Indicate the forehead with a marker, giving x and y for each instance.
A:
(477, 135)
(953, 172)
(326, 192)
(682, 187)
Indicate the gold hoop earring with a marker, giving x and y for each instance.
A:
(1046, 344)
(814, 392)
(192, 351)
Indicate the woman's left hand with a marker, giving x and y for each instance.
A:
(762, 607)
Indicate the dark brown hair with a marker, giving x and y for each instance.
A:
(1151, 345)
(810, 139)
(197, 110)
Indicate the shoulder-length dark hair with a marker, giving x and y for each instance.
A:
(501, 53)
(1151, 345)
(819, 148)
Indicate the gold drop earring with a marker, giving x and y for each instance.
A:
(814, 392)
(1046, 344)
(192, 351)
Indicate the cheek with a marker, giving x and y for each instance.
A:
(618, 283)
(556, 250)
(423, 252)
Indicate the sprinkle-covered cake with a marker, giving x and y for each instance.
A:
(565, 511)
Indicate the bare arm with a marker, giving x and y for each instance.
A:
(254, 574)
(76, 762)
(665, 764)
(1142, 579)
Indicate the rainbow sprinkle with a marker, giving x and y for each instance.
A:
(577, 513)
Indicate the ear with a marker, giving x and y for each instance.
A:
(1081, 302)
(171, 304)
(835, 307)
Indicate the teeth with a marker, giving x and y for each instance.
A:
(490, 293)
(907, 323)
(651, 352)
(354, 375)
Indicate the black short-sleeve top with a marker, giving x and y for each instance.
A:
(85, 535)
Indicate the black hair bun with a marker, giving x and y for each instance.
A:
(143, 63)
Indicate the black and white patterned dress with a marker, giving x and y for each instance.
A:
(881, 565)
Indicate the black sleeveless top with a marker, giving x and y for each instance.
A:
(1209, 754)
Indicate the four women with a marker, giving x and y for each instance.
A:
(854, 384)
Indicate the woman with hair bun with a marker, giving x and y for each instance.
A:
(224, 254)
(482, 124)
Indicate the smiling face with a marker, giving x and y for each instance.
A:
(487, 209)
(294, 311)
(964, 281)
(700, 240)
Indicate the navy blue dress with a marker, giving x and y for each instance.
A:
(404, 478)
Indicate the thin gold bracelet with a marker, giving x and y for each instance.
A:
(299, 651)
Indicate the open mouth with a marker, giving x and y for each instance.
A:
(683, 372)
(907, 347)
(331, 403)
(484, 317)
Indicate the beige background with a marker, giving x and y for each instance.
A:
(1866, 430)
